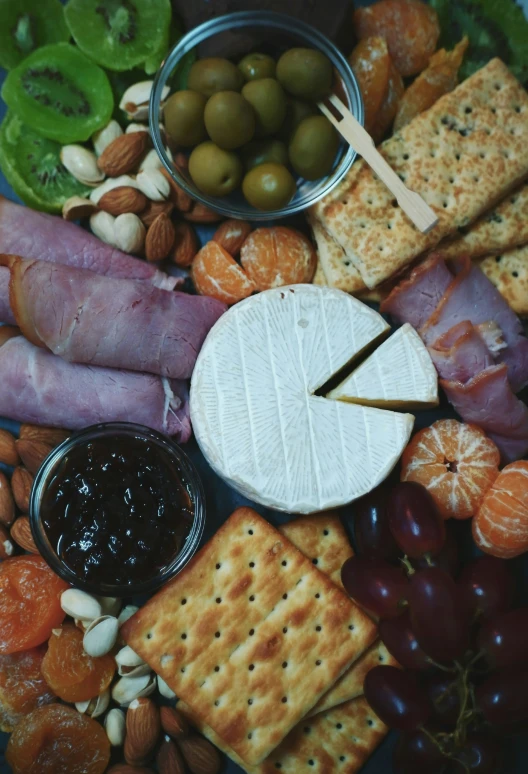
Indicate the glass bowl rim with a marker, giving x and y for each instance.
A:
(190, 545)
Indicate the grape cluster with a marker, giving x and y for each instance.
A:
(463, 649)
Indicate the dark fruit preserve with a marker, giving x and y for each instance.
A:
(117, 510)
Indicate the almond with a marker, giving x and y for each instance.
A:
(123, 200)
(7, 548)
(7, 504)
(169, 758)
(143, 729)
(174, 723)
(21, 483)
(181, 162)
(124, 768)
(8, 452)
(160, 238)
(200, 755)
(32, 453)
(202, 214)
(153, 209)
(21, 534)
(52, 435)
(231, 235)
(181, 200)
(185, 244)
(123, 154)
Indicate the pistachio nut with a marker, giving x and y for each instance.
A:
(135, 100)
(106, 135)
(128, 658)
(100, 637)
(127, 612)
(129, 688)
(80, 605)
(164, 689)
(153, 184)
(115, 725)
(124, 671)
(132, 128)
(129, 233)
(151, 161)
(76, 207)
(82, 164)
(102, 225)
(109, 184)
(110, 605)
(94, 707)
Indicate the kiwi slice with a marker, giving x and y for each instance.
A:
(121, 34)
(28, 24)
(32, 166)
(60, 91)
(494, 28)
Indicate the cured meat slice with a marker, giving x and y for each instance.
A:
(119, 323)
(40, 388)
(461, 353)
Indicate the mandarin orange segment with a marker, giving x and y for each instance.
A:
(70, 672)
(29, 603)
(389, 106)
(58, 740)
(456, 462)
(371, 63)
(22, 687)
(500, 527)
(216, 273)
(277, 256)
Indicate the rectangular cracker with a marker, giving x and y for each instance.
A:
(462, 155)
(250, 634)
(333, 261)
(509, 273)
(338, 741)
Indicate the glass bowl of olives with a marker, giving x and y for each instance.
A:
(244, 115)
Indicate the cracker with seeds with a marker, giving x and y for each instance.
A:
(509, 274)
(250, 634)
(462, 155)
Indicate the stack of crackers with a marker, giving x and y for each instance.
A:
(264, 649)
(468, 158)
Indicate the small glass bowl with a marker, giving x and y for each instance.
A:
(235, 35)
(190, 480)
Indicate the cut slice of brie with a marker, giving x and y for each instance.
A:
(254, 412)
(399, 374)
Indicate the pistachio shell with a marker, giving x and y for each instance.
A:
(94, 707)
(77, 207)
(153, 184)
(141, 669)
(100, 637)
(80, 605)
(102, 225)
(110, 605)
(106, 135)
(82, 164)
(164, 689)
(115, 724)
(109, 183)
(151, 161)
(129, 688)
(135, 100)
(129, 233)
(127, 612)
(128, 657)
(131, 128)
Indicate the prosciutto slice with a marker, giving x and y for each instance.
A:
(40, 388)
(118, 323)
(35, 235)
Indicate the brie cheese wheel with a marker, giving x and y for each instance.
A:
(254, 410)
(400, 373)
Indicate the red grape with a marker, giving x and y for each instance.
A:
(414, 752)
(503, 697)
(414, 520)
(371, 526)
(396, 697)
(437, 617)
(448, 558)
(487, 586)
(443, 693)
(504, 638)
(375, 585)
(399, 639)
(481, 754)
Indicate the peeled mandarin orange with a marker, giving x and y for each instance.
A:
(456, 462)
(277, 256)
(500, 527)
(215, 273)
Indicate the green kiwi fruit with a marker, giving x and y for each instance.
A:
(28, 24)
(32, 166)
(121, 34)
(60, 91)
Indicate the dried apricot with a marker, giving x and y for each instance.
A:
(389, 106)
(456, 462)
(22, 687)
(216, 273)
(410, 27)
(72, 673)
(439, 77)
(278, 256)
(500, 527)
(370, 62)
(58, 740)
(29, 603)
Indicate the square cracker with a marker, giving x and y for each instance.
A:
(250, 634)
(509, 273)
(336, 268)
(462, 155)
(335, 742)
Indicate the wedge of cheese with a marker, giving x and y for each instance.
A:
(256, 417)
(399, 374)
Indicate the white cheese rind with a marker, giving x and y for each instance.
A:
(254, 413)
(399, 373)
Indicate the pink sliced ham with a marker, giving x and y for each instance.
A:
(40, 388)
(117, 323)
(461, 353)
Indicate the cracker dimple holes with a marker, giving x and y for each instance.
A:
(250, 532)
(252, 598)
(381, 658)
(252, 564)
(318, 662)
(342, 758)
(218, 565)
(307, 729)
(149, 635)
(370, 722)
(184, 636)
(515, 274)
(251, 632)
(311, 762)
(218, 600)
(285, 629)
(284, 664)
(318, 596)
(339, 726)
(184, 601)
(217, 635)
(250, 735)
(351, 627)
(278, 765)
(250, 702)
(217, 703)
(315, 561)
(318, 628)
(217, 668)
(285, 596)
(284, 699)
(251, 667)
(284, 563)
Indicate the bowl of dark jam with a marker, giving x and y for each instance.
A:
(117, 509)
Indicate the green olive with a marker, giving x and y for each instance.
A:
(256, 66)
(313, 148)
(269, 103)
(255, 153)
(269, 186)
(208, 76)
(305, 73)
(229, 119)
(184, 118)
(215, 171)
(296, 111)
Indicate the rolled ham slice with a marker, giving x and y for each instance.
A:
(40, 388)
(117, 323)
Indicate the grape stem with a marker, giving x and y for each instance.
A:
(409, 569)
